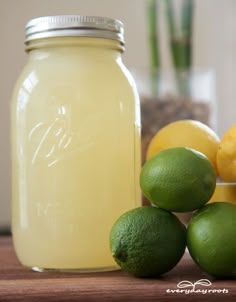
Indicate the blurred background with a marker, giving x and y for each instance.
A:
(213, 48)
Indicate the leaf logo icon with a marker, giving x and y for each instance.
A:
(186, 283)
(204, 282)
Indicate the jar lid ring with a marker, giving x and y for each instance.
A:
(74, 25)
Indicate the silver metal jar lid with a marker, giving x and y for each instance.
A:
(74, 25)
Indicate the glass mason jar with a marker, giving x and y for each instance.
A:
(75, 143)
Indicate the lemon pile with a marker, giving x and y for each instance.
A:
(183, 161)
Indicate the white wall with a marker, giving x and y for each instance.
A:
(215, 47)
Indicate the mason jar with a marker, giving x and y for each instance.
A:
(75, 143)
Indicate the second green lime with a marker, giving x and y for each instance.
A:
(178, 179)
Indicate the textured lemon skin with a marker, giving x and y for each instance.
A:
(226, 156)
(186, 133)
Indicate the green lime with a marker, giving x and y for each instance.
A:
(147, 241)
(211, 239)
(178, 179)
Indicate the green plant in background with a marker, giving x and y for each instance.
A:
(153, 35)
(180, 41)
(153, 44)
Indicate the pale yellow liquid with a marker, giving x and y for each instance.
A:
(76, 160)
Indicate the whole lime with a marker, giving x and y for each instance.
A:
(147, 241)
(178, 179)
(211, 239)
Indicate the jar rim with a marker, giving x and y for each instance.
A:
(74, 25)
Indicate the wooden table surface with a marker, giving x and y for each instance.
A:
(20, 284)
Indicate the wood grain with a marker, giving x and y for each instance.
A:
(20, 284)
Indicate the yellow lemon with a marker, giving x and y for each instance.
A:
(224, 191)
(226, 155)
(186, 133)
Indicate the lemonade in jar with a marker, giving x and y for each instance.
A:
(75, 143)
